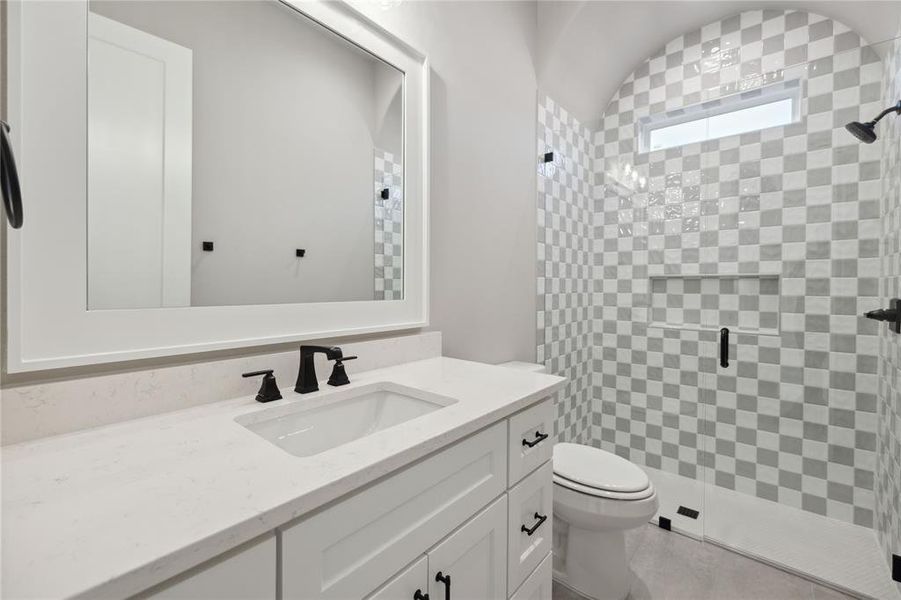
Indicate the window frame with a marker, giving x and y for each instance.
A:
(787, 90)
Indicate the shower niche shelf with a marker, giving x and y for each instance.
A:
(743, 303)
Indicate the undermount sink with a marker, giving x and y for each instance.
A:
(320, 424)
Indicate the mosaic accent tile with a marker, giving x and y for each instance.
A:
(793, 419)
(888, 439)
(564, 263)
(389, 226)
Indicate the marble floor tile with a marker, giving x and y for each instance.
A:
(670, 566)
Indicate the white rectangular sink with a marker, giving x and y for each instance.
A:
(308, 428)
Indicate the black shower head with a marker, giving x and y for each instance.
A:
(866, 132)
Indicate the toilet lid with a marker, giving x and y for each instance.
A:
(598, 469)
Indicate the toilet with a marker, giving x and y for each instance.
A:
(598, 496)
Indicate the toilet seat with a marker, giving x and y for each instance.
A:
(590, 491)
(598, 473)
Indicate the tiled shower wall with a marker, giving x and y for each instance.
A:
(793, 419)
(564, 263)
(888, 450)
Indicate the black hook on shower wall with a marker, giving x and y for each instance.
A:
(9, 180)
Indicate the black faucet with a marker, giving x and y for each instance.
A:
(306, 377)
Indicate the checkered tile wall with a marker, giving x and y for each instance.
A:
(389, 227)
(564, 263)
(888, 439)
(793, 419)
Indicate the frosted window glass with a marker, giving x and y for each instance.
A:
(743, 120)
(750, 119)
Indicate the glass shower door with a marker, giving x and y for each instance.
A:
(790, 259)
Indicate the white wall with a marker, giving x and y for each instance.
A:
(483, 168)
(276, 100)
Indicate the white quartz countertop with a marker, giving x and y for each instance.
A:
(111, 511)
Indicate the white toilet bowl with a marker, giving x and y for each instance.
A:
(598, 496)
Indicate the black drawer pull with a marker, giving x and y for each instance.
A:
(539, 437)
(529, 531)
(445, 579)
(420, 596)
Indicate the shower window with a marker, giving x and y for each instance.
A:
(772, 106)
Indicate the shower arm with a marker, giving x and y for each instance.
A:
(896, 109)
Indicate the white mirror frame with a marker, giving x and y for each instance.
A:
(48, 324)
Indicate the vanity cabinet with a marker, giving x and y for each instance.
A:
(477, 512)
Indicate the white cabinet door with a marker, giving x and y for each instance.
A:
(245, 573)
(406, 584)
(472, 562)
(529, 523)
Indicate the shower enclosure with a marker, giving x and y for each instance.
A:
(740, 233)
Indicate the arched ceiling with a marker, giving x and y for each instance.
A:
(587, 48)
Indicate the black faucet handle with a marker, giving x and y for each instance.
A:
(338, 359)
(268, 388)
(339, 374)
(257, 373)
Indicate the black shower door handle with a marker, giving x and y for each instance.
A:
(724, 347)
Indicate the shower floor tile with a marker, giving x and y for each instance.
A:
(670, 566)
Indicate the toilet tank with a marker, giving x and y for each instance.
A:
(524, 366)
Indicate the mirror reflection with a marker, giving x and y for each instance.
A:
(185, 100)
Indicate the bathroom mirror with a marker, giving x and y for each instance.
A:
(211, 174)
(238, 153)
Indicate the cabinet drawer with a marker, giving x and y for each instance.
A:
(531, 507)
(404, 584)
(539, 585)
(529, 447)
(350, 549)
(245, 573)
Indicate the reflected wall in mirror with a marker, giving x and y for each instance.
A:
(238, 153)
